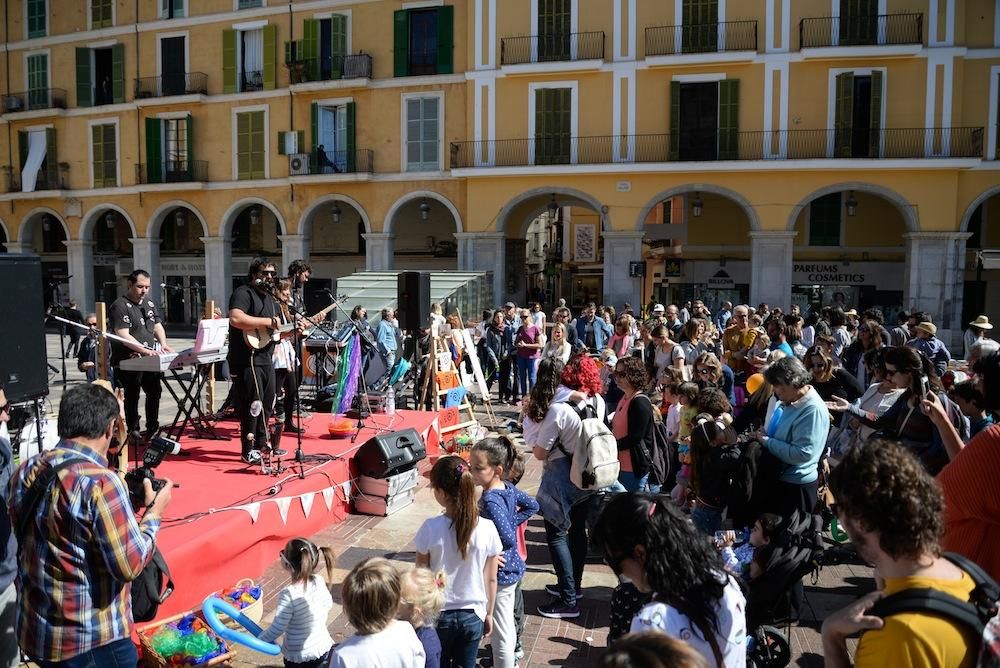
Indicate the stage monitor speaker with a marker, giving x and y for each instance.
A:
(388, 454)
(413, 300)
(23, 363)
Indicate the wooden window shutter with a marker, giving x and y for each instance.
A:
(446, 39)
(729, 115)
(118, 72)
(875, 123)
(270, 55)
(300, 140)
(97, 158)
(51, 156)
(675, 120)
(22, 148)
(243, 146)
(338, 45)
(84, 79)
(281, 143)
(228, 61)
(258, 152)
(401, 43)
(314, 125)
(154, 148)
(350, 125)
(844, 115)
(310, 49)
(189, 126)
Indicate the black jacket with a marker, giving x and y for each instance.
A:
(639, 441)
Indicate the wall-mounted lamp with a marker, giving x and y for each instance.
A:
(335, 212)
(425, 210)
(697, 205)
(851, 205)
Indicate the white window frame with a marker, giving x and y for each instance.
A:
(48, 69)
(159, 57)
(240, 28)
(574, 27)
(163, 15)
(843, 224)
(236, 6)
(992, 116)
(267, 137)
(679, 21)
(831, 103)
(90, 15)
(349, 14)
(574, 123)
(48, 26)
(403, 99)
(111, 120)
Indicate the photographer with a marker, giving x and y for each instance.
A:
(83, 545)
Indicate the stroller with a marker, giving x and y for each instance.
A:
(796, 551)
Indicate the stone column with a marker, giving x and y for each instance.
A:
(146, 255)
(484, 251)
(771, 268)
(620, 248)
(378, 251)
(80, 263)
(218, 270)
(934, 282)
(293, 247)
(18, 247)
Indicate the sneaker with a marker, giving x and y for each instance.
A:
(290, 428)
(557, 610)
(553, 590)
(304, 414)
(278, 452)
(518, 652)
(251, 457)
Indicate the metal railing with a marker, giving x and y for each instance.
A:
(192, 83)
(891, 143)
(32, 100)
(861, 30)
(552, 48)
(359, 161)
(701, 38)
(251, 80)
(45, 179)
(174, 171)
(356, 66)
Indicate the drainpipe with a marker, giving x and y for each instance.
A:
(291, 105)
(6, 59)
(138, 139)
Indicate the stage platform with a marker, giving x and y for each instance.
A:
(227, 521)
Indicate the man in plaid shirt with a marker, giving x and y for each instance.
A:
(83, 545)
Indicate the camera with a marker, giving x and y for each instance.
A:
(158, 448)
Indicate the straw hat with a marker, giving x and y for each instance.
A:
(851, 312)
(928, 327)
(982, 322)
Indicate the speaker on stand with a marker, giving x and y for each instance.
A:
(413, 299)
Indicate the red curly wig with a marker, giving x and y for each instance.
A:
(581, 373)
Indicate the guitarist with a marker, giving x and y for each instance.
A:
(252, 307)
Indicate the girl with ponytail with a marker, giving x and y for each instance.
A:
(507, 507)
(467, 551)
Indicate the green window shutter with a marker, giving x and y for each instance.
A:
(875, 124)
(270, 55)
(401, 43)
(310, 49)
(154, 157)
(84, 85)
(22, 148)
(824, 220)
(288, 53)
(300, 140)
(100, 14)
(552, 126)
(38, 81)
(51, 162)
(350, 124)
(189, 126)
(97, 159)
(314, 125)
(228, 61)
(338, 44)
(258, 145)
(729, 115)
(446, 39)
(37, 19)
(243, 146)
(844, 115)
(110, 156)
(675, 120)
(281, 143)
(118, 72)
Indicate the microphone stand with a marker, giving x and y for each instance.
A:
(364, 405)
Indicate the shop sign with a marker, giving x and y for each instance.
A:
(105, 259)
(886, 275)
(721, 281)
(672, 268)
(188, 267)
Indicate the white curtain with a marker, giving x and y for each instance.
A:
(36, 154)
(253, 51)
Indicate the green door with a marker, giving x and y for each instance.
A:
(553, 126)
(554, 30)
(38, 81)
(250, 145)
(858, 22)
(699, 26)
(105, 156)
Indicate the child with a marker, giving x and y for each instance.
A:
(371, 593)
(970, 402)
(467, 550)
(671, 409)
(757, 355)
(509, 508)
(687, 395)
(714, 456)
(513, 476)
(303, 606)
(422, 596)
(742, 560)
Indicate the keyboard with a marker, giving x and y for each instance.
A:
(166, 361)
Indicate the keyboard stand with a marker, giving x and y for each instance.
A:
(189, 410)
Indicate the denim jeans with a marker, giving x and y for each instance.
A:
(631, 483)
(568, 550)
(525, 374)
(460, 632)
(706, 519)
(117, 654)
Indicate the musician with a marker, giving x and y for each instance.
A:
(86, 359)
(284, 360)
(252, 307)
(299, 274)
(134, 317)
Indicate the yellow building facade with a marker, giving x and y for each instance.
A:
(764, 151)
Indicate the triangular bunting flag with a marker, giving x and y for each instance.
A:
(307, 502)
(347, 490)
(283, 503)
(328, 497)
(253, 509)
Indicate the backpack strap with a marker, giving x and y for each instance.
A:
(29, 506)
(580, 413)
(161, 563)
(931, 601)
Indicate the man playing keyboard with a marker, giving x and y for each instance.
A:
(135, 317)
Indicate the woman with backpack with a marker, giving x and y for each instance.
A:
(632, 424)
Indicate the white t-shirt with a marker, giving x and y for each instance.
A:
(395, 646)
(301, 616)
(561, 422)
(466, 589)
(731, 613)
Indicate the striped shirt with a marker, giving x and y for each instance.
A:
(302, 612)
(82, 549)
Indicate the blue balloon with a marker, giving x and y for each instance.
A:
(214, 605)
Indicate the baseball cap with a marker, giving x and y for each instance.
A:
(659, 308)
(510, 305)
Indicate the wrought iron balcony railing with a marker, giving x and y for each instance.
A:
(355, 66)
(703, 38)
(359, 161)
(861, 30)
(45, 179)
(552, 48)
(192, 83)
(33, 100)
(884, 144)
(172, 171)
(251, 81)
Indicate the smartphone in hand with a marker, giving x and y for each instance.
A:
(924, 388)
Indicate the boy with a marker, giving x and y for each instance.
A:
(970, 402)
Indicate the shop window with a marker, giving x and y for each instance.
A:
(824, 220)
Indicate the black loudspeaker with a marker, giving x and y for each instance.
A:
(23, 371)
(413, 299)
(388, 454)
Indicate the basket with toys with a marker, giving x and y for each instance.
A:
(247, 597)
(183, 640)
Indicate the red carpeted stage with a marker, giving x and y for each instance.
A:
(227, 521)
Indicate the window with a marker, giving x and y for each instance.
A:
(105, 155)
(248, 59)
(322, 52)
(858, 115)
(824, 220)
(334, 149)
(423, 137)
(251, 149)
(700, 19)
(423, 41)
(38, 81)
(37, 152)
(37, 18)
(249, 4)
(169, 147)
(100, 76)
(101, 14)
(171, 9)
(553, 126)
(704, 120)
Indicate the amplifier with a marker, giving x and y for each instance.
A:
(383, 506)
(387, 454)
(394, 484)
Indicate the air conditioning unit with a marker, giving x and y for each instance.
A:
(12, 103)
(298, 163)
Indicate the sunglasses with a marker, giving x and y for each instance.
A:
(5, 408)
(704, 372)
(821, 365)
(92, 324)
(271, 272)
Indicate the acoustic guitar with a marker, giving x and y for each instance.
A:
(261, 337)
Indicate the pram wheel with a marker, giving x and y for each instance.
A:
(768, 648)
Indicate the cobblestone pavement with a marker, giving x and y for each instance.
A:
(547, 642)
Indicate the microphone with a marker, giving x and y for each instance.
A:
(167, 286)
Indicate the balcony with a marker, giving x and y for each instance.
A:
(853, 30)
(193, 83)
(566, 47)
(704, 38)
(33, 100)
(359, 161)
(173, 171)
(45, 179)
(251, 81)
(333, 68)
(886, 144)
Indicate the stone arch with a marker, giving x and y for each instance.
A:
(545, 192)
(24, 233)
(390, 216)
(229, 217)
(971, 209)
(89, 220)
(6, 231)
(908, 210)
(160, 215)
(306, 220)
(721, 191)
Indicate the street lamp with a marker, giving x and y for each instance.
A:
(335, 211)
(697, 205)
(254, 215)
(425, 210)
(46, 223)
(851, 205)
(111, 219)
(553, 207)
(180, 217)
